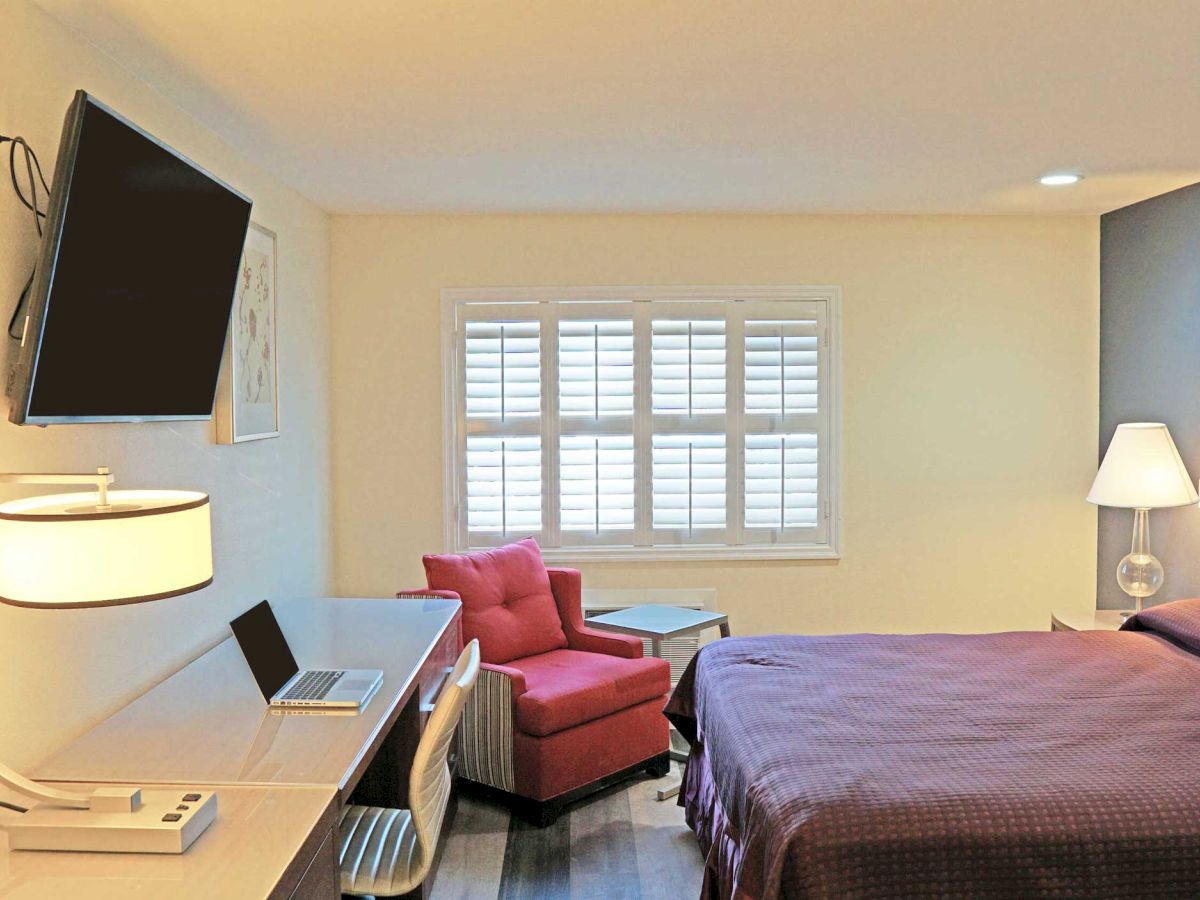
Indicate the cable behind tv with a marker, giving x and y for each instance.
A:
(31, 202)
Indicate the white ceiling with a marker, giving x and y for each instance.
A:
(682, 105)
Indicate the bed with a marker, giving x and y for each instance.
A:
(1022, 765)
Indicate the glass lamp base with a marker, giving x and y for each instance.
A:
(1140, 574)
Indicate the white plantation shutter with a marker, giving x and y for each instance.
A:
(781, 366)
(781, 481)
(688, 361)
(785, 466)
(504, 484)
(501, 480)
(503, 369)
(689, 481)
(595, 368)
(596, 389)
(630, 422)
(688, 400)
(596, 483)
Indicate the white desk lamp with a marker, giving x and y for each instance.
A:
(68, 551)
(1142, 471)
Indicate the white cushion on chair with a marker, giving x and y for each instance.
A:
(378, 851)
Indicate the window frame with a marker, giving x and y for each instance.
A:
(596, 302)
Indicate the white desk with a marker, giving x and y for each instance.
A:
(256, 848)
(209, 726)
(208, 723)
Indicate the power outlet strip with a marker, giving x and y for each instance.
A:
(168, 821)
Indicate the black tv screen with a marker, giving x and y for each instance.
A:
(130, 303)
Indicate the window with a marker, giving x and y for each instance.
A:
(643, 422)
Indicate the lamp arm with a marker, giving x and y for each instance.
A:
(53, 796)
(102, 479)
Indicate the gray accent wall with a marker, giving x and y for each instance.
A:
(1150, 370)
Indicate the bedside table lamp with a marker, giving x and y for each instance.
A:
(1141, 471)
(102, 548)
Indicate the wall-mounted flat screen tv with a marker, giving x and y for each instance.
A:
(135, 280)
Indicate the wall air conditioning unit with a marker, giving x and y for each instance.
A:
(677, 651)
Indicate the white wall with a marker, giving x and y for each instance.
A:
(970, 401)
(63, 670)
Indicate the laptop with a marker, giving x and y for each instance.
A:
(282, 682)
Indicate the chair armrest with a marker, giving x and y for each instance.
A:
(516, 676)
(567, 587)
(593, 640)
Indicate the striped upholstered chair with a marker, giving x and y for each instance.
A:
(560, 710)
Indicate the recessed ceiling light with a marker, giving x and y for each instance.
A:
(1059, 179)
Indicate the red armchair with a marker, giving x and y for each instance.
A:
(560, 710)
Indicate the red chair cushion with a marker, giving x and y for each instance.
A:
(569, 687)
(507, 603)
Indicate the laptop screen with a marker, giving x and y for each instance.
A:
(265, 648)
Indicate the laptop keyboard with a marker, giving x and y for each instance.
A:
(312, 685)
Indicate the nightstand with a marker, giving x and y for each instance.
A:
(1088, 620)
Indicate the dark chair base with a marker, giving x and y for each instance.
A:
(543, 813)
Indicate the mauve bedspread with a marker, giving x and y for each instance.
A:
(1004, 765)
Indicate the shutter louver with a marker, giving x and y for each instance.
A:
(596, 483)
(687, 366)
(781, 366)
(504, 484)
(503, 369)
(595, 368)
(781, 481)
(688, 473)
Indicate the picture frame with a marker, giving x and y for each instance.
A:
(247, 403)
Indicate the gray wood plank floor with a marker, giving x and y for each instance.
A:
(621, 844)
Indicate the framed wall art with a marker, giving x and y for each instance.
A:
(247, 407)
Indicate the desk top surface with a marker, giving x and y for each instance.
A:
(244, 853)
(208, 724)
